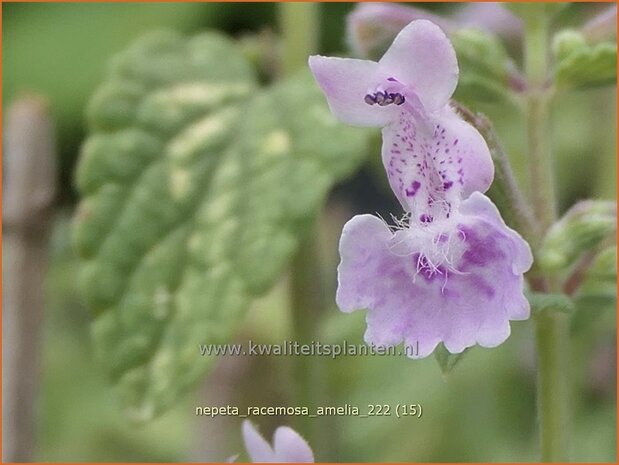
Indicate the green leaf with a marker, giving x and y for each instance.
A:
(197, 186)
(582, 65)
(446, 360)
(541, 302)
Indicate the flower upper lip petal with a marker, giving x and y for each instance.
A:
(421, 63)
(423, 58)
(345, 82)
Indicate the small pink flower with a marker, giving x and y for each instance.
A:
(288, 446)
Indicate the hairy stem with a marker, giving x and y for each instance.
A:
(538, 142)
(551, 329)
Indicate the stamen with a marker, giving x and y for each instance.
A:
(388, 100)
(398, 99)
(370, 99)
(384, 98)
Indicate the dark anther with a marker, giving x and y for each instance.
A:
(425, 218)
(370, 99)
(388, 99)
(384, 98)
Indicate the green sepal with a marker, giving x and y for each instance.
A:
(446, 360)
(580, 230)
(582, 65)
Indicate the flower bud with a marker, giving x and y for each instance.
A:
(604, 267)
(566, 42)
(581, 229)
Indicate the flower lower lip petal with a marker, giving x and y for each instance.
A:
(444, 286)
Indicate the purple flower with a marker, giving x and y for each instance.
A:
(288, 446)
(451, 271)
(432, 157)
(458, 281)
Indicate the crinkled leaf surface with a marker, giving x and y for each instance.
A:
(196, 185)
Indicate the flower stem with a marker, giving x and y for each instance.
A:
(540, 158)
(299, 24)
(551, 329)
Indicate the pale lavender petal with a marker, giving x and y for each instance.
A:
(258, 449)
(481, 206)
(422, 58)
(433, 163)
(458, 282)
(363, 246)
(345, 82)
(291, 447)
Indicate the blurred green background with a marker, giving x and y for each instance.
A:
(484, 410)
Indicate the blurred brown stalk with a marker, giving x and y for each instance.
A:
(29, 175)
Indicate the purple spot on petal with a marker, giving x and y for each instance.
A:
(425, 218)
(414, 188)
(481, 286)
(481, 249)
